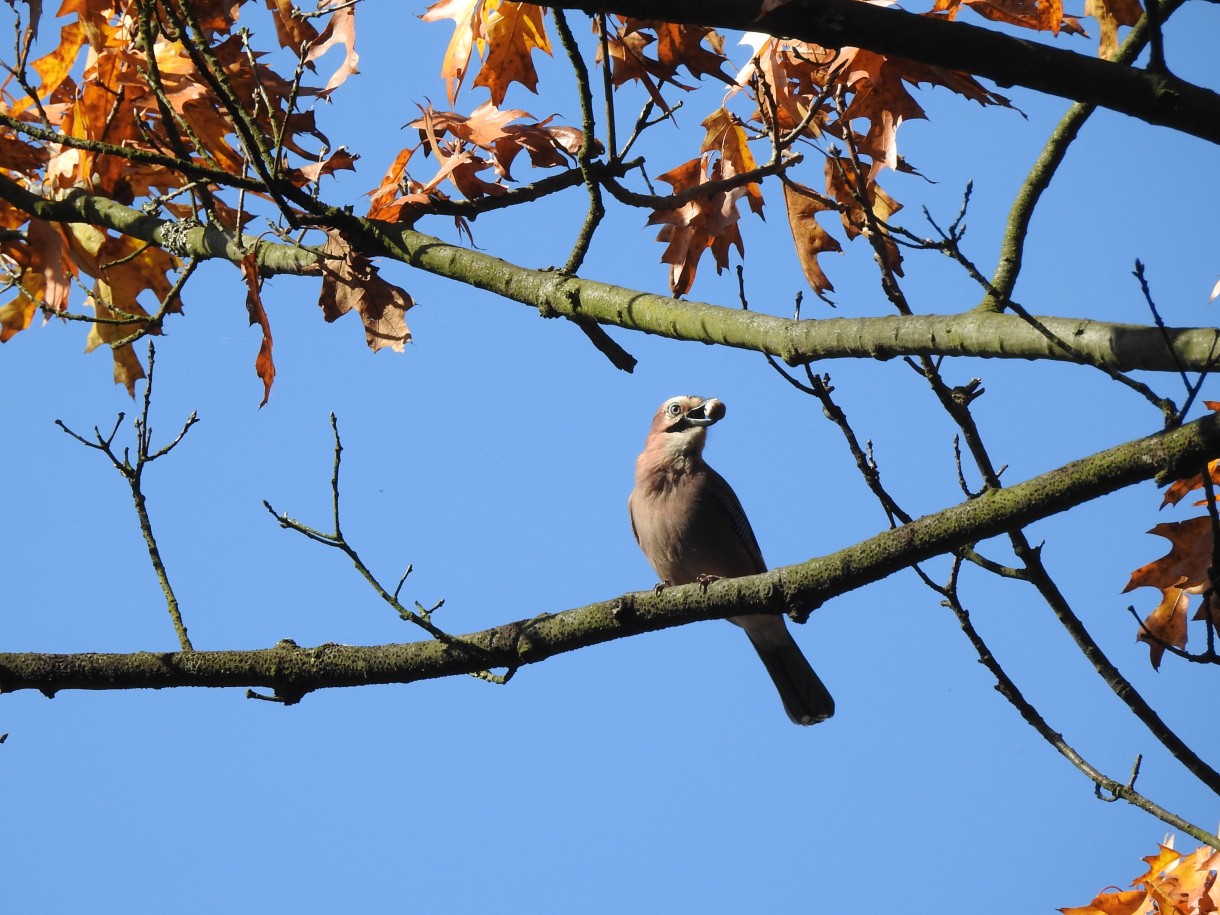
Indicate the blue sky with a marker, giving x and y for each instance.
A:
(652, 774)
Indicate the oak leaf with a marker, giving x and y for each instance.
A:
(294, 32)
(707, 222)
(1110, 14)
(350, 281)
(1187, 562)
(810, 238)
(264, 365)
(725, 137)
(456, 62)
(1179, 573)
(511, 33)
(1173, 883)
(340, 31)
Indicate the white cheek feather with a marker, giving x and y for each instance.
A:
(680, 446)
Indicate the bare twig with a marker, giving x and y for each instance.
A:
(421, 616)
(133, 474)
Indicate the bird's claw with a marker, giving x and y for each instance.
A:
(706, 580)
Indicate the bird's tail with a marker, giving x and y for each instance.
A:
(806, 698)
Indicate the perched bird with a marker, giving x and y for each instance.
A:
(691, 527)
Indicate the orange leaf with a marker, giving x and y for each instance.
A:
(1185, 565)
(55, 66)
(1127, 902)
(726, 137)
(810, 238)
(1166, 625)
(294, 32)
(705, 222)
(264, 365)
(465, 13)
(1183, 885)
(1110, 14)
(115, 305)
(511, 32)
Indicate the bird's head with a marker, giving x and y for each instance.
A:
(681, 422)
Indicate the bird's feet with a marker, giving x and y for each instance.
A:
(659, 587)
(706, 580)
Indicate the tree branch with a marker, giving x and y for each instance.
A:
(1157, 98)
(797, 589)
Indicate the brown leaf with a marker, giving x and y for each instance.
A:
(1166, 625)
(294, 32)
(264, 365)
(351, 281)
(1110, 14)
(465, 14)
(1186, 564)
(725, 137)
(110, 304)
(705, 222)
(340, 31)
(853, 213)
(810, 238)
(339, 160)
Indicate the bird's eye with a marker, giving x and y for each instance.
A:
(674, 409)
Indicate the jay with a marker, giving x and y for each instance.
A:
(691, 526)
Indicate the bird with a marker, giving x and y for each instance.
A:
(691, 527)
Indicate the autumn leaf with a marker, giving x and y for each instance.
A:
(118, 317)
(1039, 15)
(1110, 14)
(706, 222)
(725, 137)
(350, 281)
(858, 210)
(1173, 883)
(340, 32)
(456, 62)
(54, 67)
(264, 365)
(1187, 562)
(511, 32)
(1124, 902)
(1166, 625)
(294, 32)
(1179, 573)
(339, 160)
(810, 238)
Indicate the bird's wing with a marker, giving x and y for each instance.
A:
(631, 514)
(727, 502)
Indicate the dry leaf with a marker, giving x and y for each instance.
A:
(351, 281)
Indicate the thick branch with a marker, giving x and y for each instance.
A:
(292, 671)
(202, 242)
(1157, 98)
(1124, 347)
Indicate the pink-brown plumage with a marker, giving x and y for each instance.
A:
(690, 525)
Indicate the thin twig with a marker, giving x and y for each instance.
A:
(421, 616)
(133, 474)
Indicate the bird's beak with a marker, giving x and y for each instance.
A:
(708, 412)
